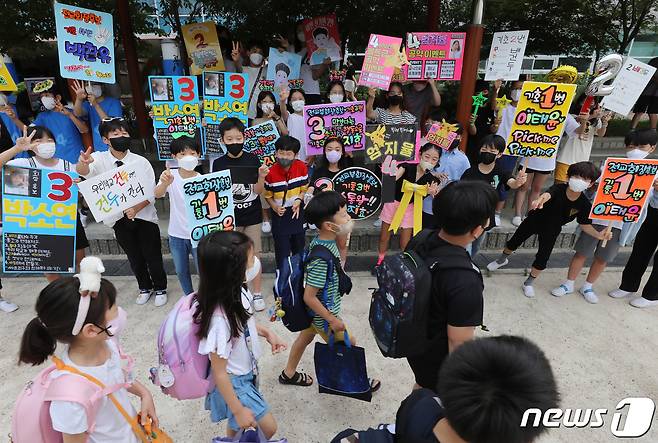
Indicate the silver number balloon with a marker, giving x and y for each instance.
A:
(608, 68)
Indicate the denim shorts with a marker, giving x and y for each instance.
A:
(247, 393)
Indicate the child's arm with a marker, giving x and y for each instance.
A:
(283, 102)
(259, 187)
(540, 202)
(147, 409)
(519, 180)
(312, 301)
(280, 210)
(22, 144)
(599, 235)
(166, 179)
(243, 415)
(275, 342)
(370, 111)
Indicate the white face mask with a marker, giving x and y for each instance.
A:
(48, 102)
(46, 150)
(578, 184)
(267, 107)
(188, 162)
(94, 90)
(425, 165)
(335, 98)
(301, 36)
(256, 58)
(334, 156)
(515, 95)
(636, 154)
(253, 271)
(344, 228)
(3, 100)
(298, 105)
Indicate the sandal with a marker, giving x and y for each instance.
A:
(375, 385)
(299, 379)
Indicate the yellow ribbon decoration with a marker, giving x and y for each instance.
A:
(408, 190)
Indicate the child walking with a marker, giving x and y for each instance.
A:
(229, 332)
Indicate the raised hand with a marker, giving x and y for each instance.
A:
(263, 171)
(79, 89)
(86, 158)
(25, 142)
(235, 52)
(283, 95)
(167, 177)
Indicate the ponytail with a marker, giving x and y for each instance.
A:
(37, 343)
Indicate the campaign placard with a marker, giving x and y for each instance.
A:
(628, 86)
(225, 94)
(202, 45)
(259, 140)
(380, 61)
(434, 55)
(362, 190)
(398, 141)
(506, 55)
(322, 39)
(7, 82)
(343, 120)
(282, 67)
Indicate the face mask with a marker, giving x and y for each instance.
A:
(256, 58)
(515, 95)
(486, 158)
(234, 148)
(425, 165)
(121, 144)
(94, 90)
(395, 100)
(3, 100)
(333, 156)
(636, 154)
(335, 98)
(117, 325)
(48, 102)
(345, 228)
(253, 271)
(267, 107)
(188, 162)
(298, 105)
(301, 36)
(285, 162)
(577, 184)
(46, 150)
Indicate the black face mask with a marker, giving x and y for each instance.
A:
(395, 100)
(121, 144)
(234, 148)
(486, 157)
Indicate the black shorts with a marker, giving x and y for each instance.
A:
(426, 366)
(534, 171)
(81, 241)
(646, 103)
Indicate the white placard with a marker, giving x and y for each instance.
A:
(627, 86)
(506, 55)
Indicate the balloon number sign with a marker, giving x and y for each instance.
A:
(608, 68)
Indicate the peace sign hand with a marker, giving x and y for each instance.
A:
(235, 53)
(25, 142)
(86, 157)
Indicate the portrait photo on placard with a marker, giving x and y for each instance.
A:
(211, 85)
(16, 181)
(161, 89)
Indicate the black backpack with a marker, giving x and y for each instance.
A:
(399, 308)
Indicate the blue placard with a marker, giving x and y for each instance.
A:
(282, 67)
(40, 209)
(259, 140)
(85, 43)
(225, 94)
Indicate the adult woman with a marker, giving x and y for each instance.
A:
(394, 113)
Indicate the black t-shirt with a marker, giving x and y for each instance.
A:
(559, 210)
(410, 175)
(497, 178)
(248, 210)
(417, 416)
(320, 177)
(483, 122)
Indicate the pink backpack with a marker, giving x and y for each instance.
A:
(182, 372)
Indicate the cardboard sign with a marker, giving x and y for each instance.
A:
(259, 140)
(282, 67)
(346, 120)
(225, 94)
(39, 212)
(362, 190)
(202, 47)
(7, 83)
(539, 119)
(322, 39)
(628, 86)
(176, 110)
(33, 86)
(398, 141)
(623, 190)
(114, 191)
(434, 55)
(85, 43)
(506, 55)
(209, 204)
(380, 61)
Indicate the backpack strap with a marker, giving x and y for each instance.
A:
(72, 388)
(323, 253)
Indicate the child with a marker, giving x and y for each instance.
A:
(229, 333)
(453, 160)
(395, 112)
(553, 209)
(291, 105)
(186, 151)
(327, 211)
(266, 111)
(285, 186)
(246, 196)
(336, 92)
(137, 229)
(84, 329)
(96, 108)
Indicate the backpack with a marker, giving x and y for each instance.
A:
(289, 285)
(400, 305)
(182, 372)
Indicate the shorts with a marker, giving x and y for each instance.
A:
(507, 164)
(589, 246)
(254, 233)
(325, 334)
(81, 241)
(646, 103)
(388, 212)
(247, 393)
(426, 366)
(561, 172)
(534, 171)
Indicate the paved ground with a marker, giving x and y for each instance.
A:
(600, 354)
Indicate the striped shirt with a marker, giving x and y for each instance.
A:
(385, 117)
(284, 187)
(316, 276)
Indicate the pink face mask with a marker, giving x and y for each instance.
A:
(117, 325)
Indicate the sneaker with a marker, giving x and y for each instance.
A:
(259, 303)
(495, 265)
(7, 306)
(160, 298)
(143, 297)
(561, 291)
(516, 220)
(377, 223)
(266, 227)
(528, 291)
(619, 293)
(589, 295)
(642, 302)
(497, 219)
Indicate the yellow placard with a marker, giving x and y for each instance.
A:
(539, 119)
(202, 47)
(6, 81)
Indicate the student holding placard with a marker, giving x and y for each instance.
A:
(267, 111)
(335, 92)
(91, 104)
(291, 104)
(394, 113)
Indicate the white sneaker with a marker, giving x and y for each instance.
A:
(619, 293)
(377, 223)
(259, 303)
(266, 227)
(516, 220)
(160, 298)
(7, 306)
(143, 297)
(589, 295)
(561, 290)
(642, 302)
(528, 291)
(497, 219)
(495, 265)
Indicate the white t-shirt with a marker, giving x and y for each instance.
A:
(548, 164)
(110, 426)
(235, 350)
(178, 223)
(252, 74)
(506, 121)
(35, 163)
(297, 129)
(577, 147)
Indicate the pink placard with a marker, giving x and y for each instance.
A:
(346, 120)
(436, 137)
(434, 55)
(379, 62)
